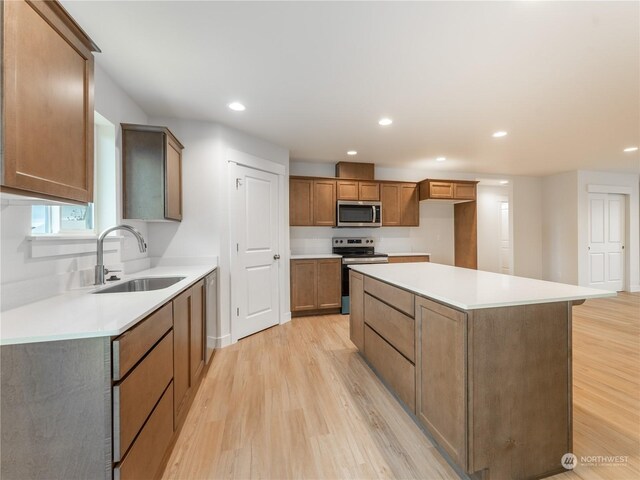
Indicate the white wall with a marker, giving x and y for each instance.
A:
(560, 228)
(28, 272)
(204, 230)
(632, 242)
(526, 222)
(489, 203)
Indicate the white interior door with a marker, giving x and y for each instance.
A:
(606, 241)
(255, 284)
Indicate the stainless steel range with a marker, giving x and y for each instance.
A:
(354, 251)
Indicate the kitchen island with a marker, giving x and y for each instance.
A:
(482, 360)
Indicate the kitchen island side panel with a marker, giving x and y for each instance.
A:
(520, 389)
(56, 410)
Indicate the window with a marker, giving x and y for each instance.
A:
(52, 219)
(79, 219)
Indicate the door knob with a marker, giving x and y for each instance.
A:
(276, 257)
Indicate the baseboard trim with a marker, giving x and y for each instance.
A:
(222, 342)
(634, 288)
(286, 318)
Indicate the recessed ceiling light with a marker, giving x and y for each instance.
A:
(237, 107)
(504, 182)
(385, 122)
(352, 152)
(631, 149)
(440, 159)
(499, 134)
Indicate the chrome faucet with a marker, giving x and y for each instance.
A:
(100, 271)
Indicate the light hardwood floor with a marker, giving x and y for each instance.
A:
(297, 401)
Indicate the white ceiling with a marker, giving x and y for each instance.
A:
(563, 78)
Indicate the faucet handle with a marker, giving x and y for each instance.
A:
(107, 271)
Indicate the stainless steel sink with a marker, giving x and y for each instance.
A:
(142, 285)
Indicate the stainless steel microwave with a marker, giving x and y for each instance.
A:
(359, 214)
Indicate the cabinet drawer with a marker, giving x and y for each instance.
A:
(146, 454)
(131, 346)
(395, 327)
(397, 298)
(464, 191)
(394, 369)
(409, 259)
(135, 396)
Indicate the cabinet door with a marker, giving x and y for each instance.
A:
(48, 103)
(369, 191)
(173, 180)
(464, 191)
(304, 285)
(409, 206)
(300, 202)
(347, 190)
(324, 203)
(181, 368)
(441, 389)
(196, 344)
(329, 283)
(390, 197)
(440, 190)
(356, 310)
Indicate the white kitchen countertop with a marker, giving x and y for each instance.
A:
(314, 255)
(473, 289)
(411, 254)
(81, 314)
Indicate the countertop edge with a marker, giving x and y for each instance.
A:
(113, 332)
(465, 307)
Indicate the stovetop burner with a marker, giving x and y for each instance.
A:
(356, 247)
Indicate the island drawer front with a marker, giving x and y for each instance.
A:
(392, 367)
(147, 453)
(132, 345)
(136, 395)
(396, 328)
(397, 298)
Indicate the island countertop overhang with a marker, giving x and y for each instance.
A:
(468, 289)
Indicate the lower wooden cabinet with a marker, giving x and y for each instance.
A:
(356, 311)
(135, 397)
(188, 355)
(144, 459)
(441, 376)
(398, 372)
(316, 284)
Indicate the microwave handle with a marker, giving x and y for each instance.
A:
(375, 216)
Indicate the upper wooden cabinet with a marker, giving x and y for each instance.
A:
(463, 190)
(151, 173)
(312, 202)
(400, 206)
(47, 95)
(357, 190)
(355, 170)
